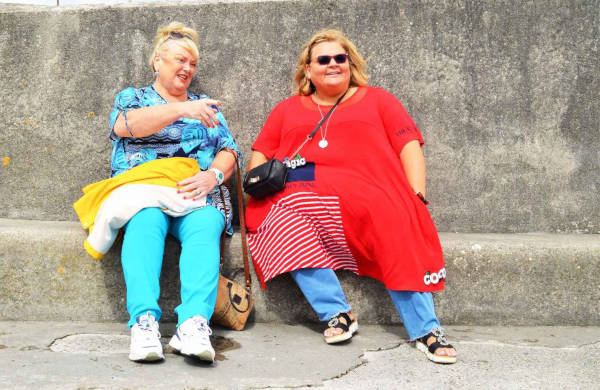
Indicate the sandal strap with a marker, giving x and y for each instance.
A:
(440, 340)
(435, 345)
(335, 322)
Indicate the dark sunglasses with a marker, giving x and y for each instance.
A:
(338, 58)
(178, 35)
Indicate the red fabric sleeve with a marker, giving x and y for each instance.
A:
(399, 126)
(269, 137)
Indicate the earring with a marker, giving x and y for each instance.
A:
(156, 74)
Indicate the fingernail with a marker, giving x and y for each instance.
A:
(178, 191)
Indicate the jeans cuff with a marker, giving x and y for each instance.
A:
(427, 332)
(328, 317)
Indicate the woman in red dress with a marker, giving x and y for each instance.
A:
(354, 198)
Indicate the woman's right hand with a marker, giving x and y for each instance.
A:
(202, 110)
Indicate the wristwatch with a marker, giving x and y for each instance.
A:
(218, 175)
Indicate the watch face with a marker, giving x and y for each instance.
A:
(219, 175)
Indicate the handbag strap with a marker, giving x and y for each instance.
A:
(242, 221)
(323, 119)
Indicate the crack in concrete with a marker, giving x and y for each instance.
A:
(49, 346)
(363, 362)
(592, 344)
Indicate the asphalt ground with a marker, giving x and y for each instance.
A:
(78, 355)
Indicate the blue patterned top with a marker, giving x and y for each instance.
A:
(183, 138)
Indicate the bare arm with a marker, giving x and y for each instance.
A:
(146, 121)
(413, 162)
(256, 159)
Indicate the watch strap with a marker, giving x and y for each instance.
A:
(218, 175)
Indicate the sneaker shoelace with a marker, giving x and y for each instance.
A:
(149, 324)
(201, 326)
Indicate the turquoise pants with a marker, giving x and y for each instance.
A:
(142, 254)
(322, 289)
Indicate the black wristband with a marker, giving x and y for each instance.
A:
(420, 195)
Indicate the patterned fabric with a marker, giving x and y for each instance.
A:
(303, 230)
(183, 138)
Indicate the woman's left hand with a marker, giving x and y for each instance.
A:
(197, 186)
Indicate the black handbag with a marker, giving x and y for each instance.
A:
(265, 179)
(270, 177)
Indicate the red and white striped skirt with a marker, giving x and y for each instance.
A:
(302, 230)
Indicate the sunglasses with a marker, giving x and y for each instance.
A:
(338, 58)
(178, 35)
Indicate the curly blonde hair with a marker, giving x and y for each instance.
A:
(358, 74)
(185, 37)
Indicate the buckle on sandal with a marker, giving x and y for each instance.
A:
(440, 336)
(333, 322)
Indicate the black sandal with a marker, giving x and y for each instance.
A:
(440, 342)
(348, 328)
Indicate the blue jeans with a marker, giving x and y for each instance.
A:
(322, 289)
(142, 255)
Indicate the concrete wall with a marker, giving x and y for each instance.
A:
(505, 93)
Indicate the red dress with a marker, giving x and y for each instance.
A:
(351, 206)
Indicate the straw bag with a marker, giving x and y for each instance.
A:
(234, 301)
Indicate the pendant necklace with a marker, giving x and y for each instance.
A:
(323, 142)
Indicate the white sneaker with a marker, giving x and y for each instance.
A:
(193, 339)
(145, 340)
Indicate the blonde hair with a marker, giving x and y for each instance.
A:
(185, 37)
(358, 74)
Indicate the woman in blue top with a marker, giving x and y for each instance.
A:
(161, 121)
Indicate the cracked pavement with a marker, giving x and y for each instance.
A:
(75, 355)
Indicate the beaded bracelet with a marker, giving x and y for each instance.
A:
(126, 124)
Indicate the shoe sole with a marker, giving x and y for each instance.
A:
(206, 355)
(148, 357)
(353, 328)
(433, 357)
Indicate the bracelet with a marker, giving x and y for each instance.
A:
(422, 198)
(126, 124)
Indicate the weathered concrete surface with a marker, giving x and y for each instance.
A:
(505, 93)
(71, 355)
(516, 279)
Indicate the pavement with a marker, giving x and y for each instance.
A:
(80, 355)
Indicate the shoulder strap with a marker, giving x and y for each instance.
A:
(240, 197)
(323, 119)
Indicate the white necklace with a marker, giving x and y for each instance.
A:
(323, 142)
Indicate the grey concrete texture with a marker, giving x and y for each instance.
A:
(505, 93)
(76, 355)
(510, 279)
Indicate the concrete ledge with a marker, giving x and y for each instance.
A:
(516, 279)
(512, 279)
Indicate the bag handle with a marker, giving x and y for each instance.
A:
(242, 221)
(323, 119)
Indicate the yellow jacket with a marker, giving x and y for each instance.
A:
(164, 172)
